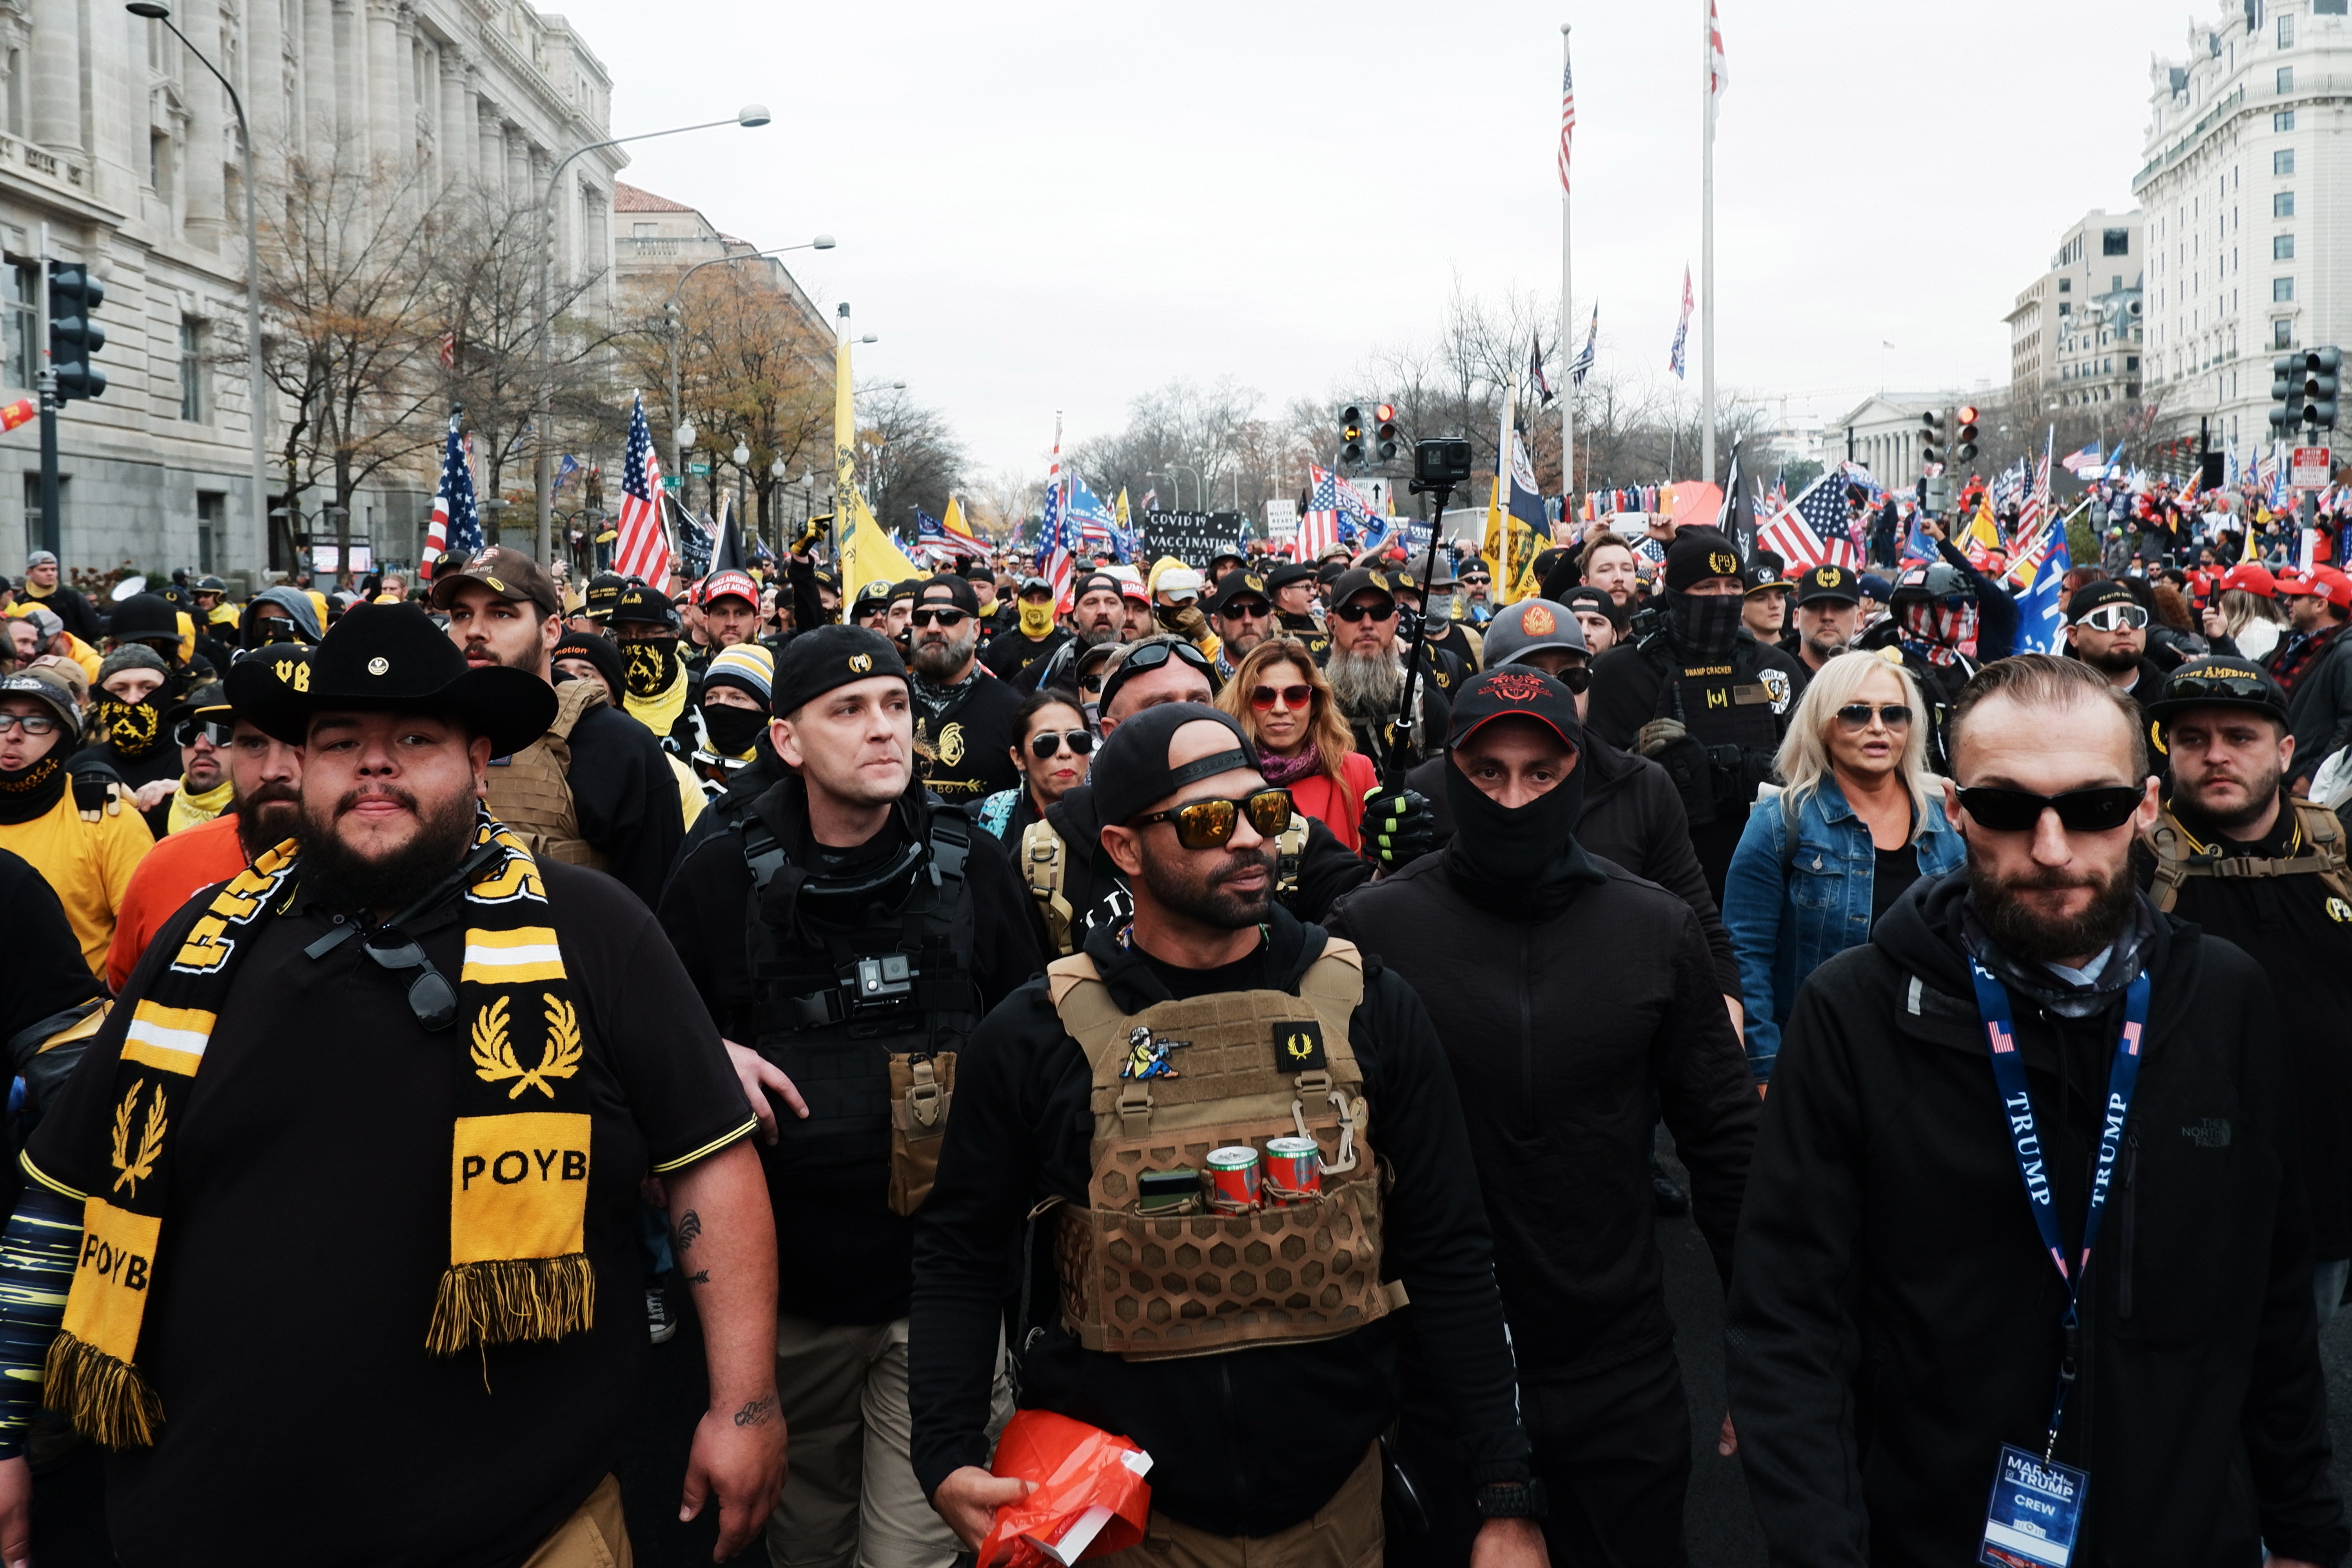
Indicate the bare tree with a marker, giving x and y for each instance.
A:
(907, 458)
(1003, 499)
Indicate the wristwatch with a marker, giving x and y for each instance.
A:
(1512, 1499)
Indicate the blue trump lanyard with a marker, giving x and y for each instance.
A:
(2025, 1142)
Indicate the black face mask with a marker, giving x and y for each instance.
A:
(1703, 623)
(649, 668)
(135, 728)
(732, 730)
(34, 789)
(1522, 859)
(270, 629)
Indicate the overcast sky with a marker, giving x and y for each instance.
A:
(1046, 207)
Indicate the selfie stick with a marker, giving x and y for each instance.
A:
(1409, 711)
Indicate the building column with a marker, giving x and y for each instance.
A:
(457, 137)
(490, 162)
(521, 187)
(56, 75)
(262, 56)
(208, 142)
(318, 76)
(387, 96)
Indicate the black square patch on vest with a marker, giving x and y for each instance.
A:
(1298, 1047)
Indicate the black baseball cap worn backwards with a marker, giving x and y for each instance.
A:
(391, 658)
(1130, 769)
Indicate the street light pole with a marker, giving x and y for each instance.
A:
(254, 388)
(669, 313)
(750, 116)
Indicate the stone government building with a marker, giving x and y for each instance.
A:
(127, 149)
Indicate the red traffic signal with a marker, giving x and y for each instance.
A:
(1382, 413)
(1967, 415)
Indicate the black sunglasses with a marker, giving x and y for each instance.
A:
(1044, 744)
(2100, 809)
(1857, 715)
(216, 731)
(1210, 824)
(1257, 609)
(430, 996)
(950, 618)
(2242, 687)
(1351, 613)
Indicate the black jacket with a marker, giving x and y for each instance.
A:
(1097, 891)
(2319, 707)
(1555, 1074)
(846, 1258)
(1019, 1133)
(625, 798)
(1894, 1318)
(43, 984)
(1633, 816)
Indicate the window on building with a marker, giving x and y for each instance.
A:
(2282, 333)
(2115, 242)
(17, 92)
(22, 344)
(192, 369)
(2283, 205)
(644, 230)
(2283, 121)
(2131, 363)
(212, 510)
(2286, 78)
(159, 165)
(2286, 32)
(2328, 7)
(2282, 289)
(33, 529)
(2283, 161)
(2282, 247)
(2066, 284)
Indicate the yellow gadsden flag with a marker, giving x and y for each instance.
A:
(866, 553)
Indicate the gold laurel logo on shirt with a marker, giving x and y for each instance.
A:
(137, 1169)
(861, 662)
(494, 1055)
(950, 744)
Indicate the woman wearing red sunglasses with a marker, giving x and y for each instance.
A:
(1303, 741)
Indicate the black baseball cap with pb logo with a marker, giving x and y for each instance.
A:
(1834, 584)
(1234, 588)
(1698, 555)
(824, 658)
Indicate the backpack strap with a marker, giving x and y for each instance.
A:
(2172, 862)
(1091, 1017)
(1289, 848)
(1044, 868)
(2323, 831)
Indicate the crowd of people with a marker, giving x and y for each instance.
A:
(1232, 1004)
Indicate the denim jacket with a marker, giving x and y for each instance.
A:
(1785, 925)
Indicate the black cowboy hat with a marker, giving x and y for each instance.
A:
(393, 659)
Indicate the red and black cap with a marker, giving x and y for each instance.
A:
(1515, 691)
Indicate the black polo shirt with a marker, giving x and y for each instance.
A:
(308, 1228)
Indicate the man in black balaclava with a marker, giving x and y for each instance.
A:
(1705, 704)
(1497, 935)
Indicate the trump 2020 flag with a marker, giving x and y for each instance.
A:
(2041, 609)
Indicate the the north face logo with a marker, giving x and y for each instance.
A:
(2213, 1132)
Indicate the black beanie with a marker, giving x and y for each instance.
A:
(823, 657)
(598, 651)
(1130, 769)
(1698, 555)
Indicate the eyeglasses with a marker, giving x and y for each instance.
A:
(1045, 744)
(33, 723)
(1210, 824)
(950, 618)
(1151, 655)
(1262, 697)
(1351, 613)
(189, 731)
(431, 997)
(1255, 608)
(1577, 677)
(1091, 681)
(1857, 715)
(2100, 809)
(2115, 618)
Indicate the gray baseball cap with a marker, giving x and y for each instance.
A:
(1530, 626)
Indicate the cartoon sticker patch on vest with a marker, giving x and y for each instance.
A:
(1148, 1057)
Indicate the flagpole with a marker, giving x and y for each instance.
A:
(1707, 241)
(844, 448)
(1567, 319)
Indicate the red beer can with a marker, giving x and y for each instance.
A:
(1294, 1170)
(1234, 1179)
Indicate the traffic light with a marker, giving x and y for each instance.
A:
(2285, 384)
(1385, 431)
(2316, 407)
(1964, 436)
(1351, 434)
(74, 297)
(1931, 436)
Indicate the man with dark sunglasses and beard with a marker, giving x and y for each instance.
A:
(2024, 1266)
(1214, 1011)
(265, 783)
(440, 1067)
(1367, 670)
(963, 713)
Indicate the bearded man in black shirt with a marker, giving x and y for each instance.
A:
(440, 1067)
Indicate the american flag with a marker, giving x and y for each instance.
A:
(456, 525)
(936, 539)
(1566, 115)
(1335, 514)
(1717, 76)
(1057, 540)
(2036, 504)
(1097, 525)
(449, 351)
(1583, 364)
(2075, 462)
(1535, 368)
(1151, 499)
(643, 546)
(1682, 328)
(2009, 486)
(1811, 531)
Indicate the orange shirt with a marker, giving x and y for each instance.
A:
(181, 864)
(1342, 812)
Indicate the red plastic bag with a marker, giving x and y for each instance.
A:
(1090, 1499)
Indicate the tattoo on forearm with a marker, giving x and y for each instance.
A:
(690, 1226)
(757, 1413)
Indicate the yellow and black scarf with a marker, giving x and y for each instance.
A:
(654, 682)
(519, 1264)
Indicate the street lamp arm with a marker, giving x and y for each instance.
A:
(228, 86)
(680, 285)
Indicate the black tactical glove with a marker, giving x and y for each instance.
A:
(1398, 827)
(1668, 744)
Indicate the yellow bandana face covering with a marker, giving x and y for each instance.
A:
(1036, 620)
(654, 683)
(520, 1146)
(194, 808)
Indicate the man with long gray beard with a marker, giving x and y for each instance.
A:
(2024, 1270)
(963, 713)
(1366, 668)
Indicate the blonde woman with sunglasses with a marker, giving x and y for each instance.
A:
(1303, 740)
(1859, 819)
